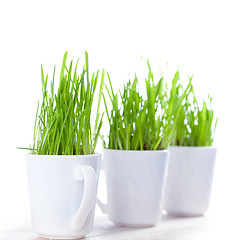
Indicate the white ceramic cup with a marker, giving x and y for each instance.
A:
(62, 192)
(189, 180)
(135, 184)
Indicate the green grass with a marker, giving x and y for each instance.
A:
(138, 123)
(63, 118)
(196, 125)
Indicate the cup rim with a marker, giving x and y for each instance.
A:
(132, 151)
(193, 147)
(63, 156)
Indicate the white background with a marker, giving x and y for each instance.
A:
(200, 38)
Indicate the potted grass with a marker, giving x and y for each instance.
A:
(192, 160)
(136, 155)
(62, 168)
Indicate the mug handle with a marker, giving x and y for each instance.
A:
(102, 206)
(87, 174)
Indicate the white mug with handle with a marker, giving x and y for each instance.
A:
(62, 191)
(135, 185)
(189, 180)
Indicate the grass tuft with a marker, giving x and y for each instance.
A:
(195, 125)
(138, 123)
(63, 118)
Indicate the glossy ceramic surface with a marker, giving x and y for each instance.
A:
(62, 192)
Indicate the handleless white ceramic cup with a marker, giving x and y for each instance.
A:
(62, 192)
(189, 180)
(135, 184)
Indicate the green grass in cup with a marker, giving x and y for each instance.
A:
(63, 118)
(196, 125)
(138, 123)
